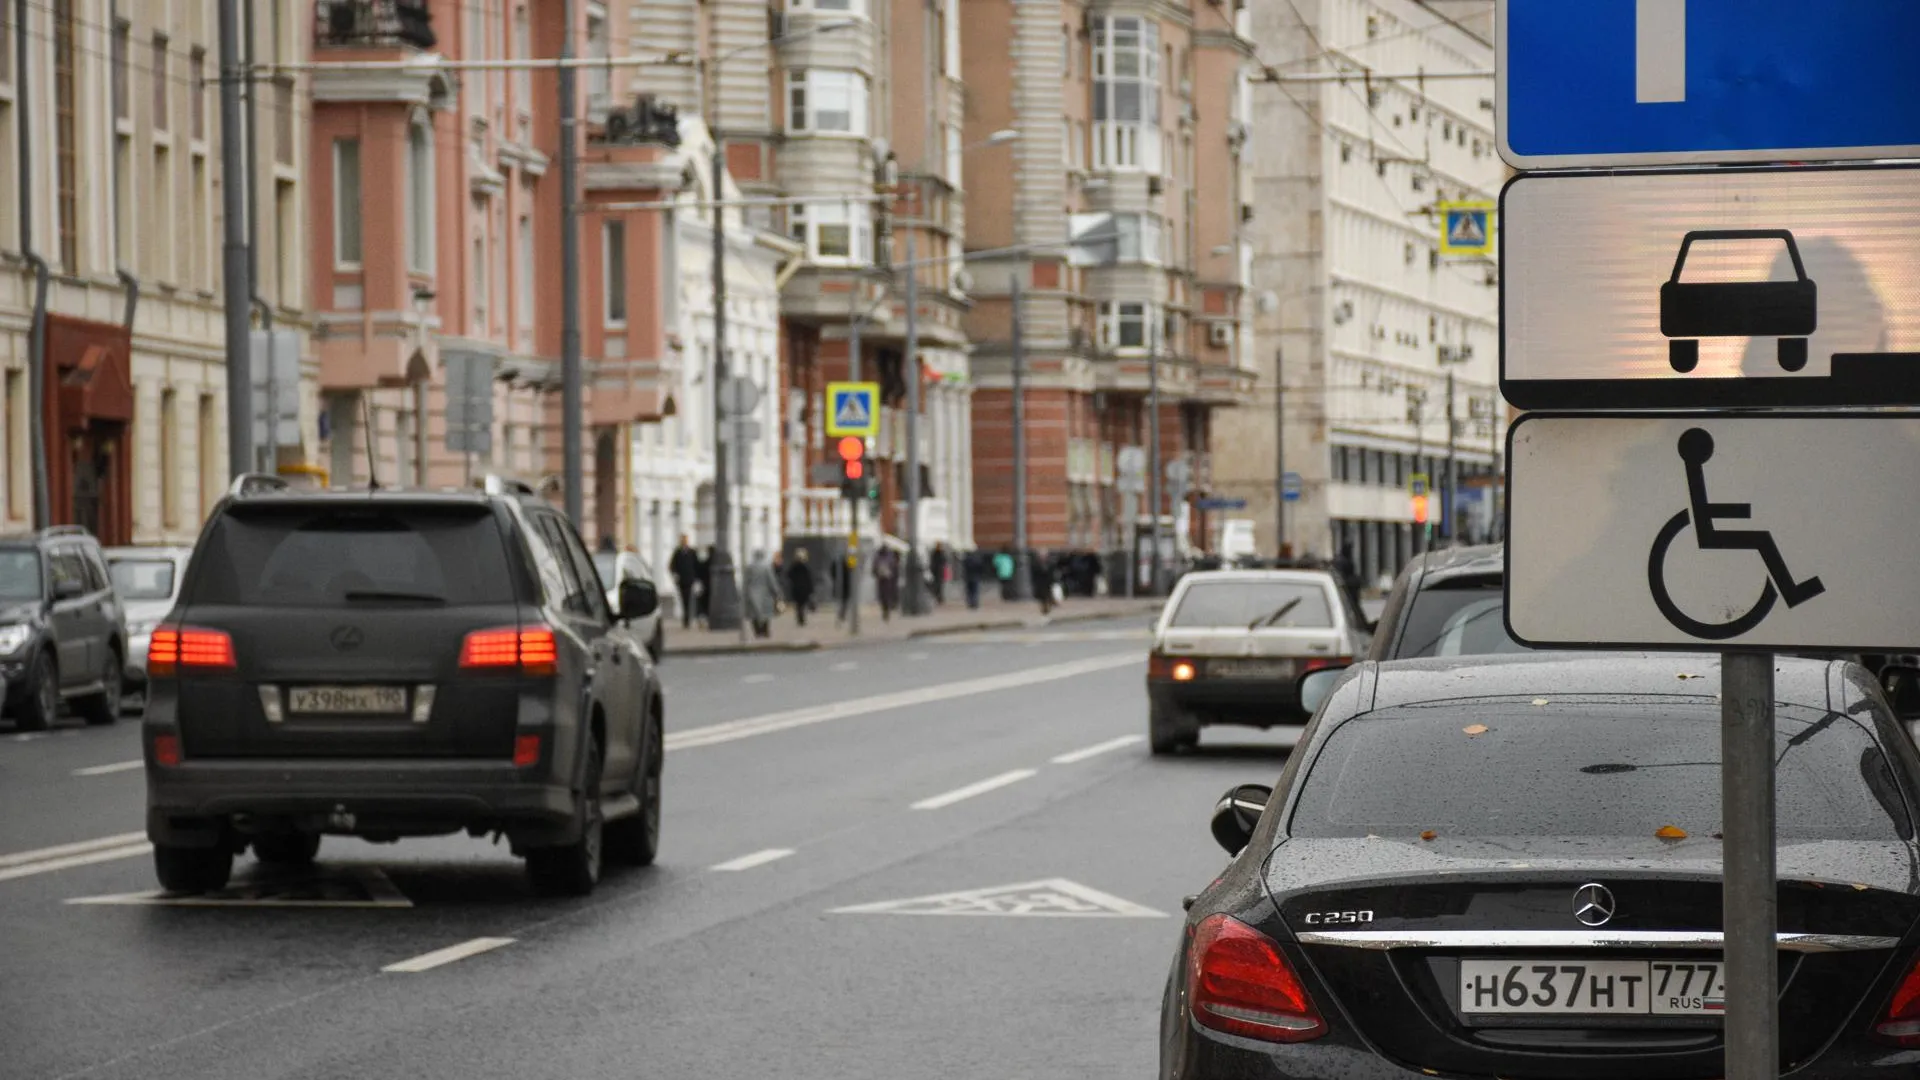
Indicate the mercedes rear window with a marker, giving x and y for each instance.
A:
(1585, 769)
(330, 556)
(1457, 618)
(1298, 604)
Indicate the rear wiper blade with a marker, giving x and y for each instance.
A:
(394, 594)
(1275, 617)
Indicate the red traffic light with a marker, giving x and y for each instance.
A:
(1419, 509)
(855, 469)
(852, 448)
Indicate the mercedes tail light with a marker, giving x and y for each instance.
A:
(531, 649)
(1901, 1024)
(174, 647)
(1238, 982)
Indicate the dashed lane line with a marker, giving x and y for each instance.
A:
(103, 770)
(70, 861)
(758, 858)
(757, 677)
(448, 955)
(1096, 749)
(991, 783)
(78, 847)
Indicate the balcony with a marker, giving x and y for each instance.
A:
(818, 512)
(372, 24)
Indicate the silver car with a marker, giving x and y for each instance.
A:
(618, 566)
(1230, 646)
(147, 580)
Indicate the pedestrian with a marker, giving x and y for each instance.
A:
(843, 584)
(761, 595)
(1041, 573)
(705, 585)
(886, 580)
(800, 586)
(684, 568)
(1348, 572)
(938, 564)
(971, 571)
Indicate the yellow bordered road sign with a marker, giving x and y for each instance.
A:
(853, 408)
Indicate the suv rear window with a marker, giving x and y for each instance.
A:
(1240, 603)
(1457, 618)
(1580, 769)
(328, 556)
(19, 574)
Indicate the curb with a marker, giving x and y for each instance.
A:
(735, 648)
(967, 628)
(739, 648)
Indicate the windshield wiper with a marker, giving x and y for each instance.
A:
(394, 594)
(1276, 616)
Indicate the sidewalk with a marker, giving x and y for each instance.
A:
(953, 617)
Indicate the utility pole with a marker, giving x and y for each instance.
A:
(269, 454)
(915, 601)
(234, 266)
(571, 403)
(723, 596)
(1153, 465)
(852, 557)
(1279, 456)
(1022, 572)
(1419, 464)
(37, 335)
(1449, 513)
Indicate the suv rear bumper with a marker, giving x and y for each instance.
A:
(196, 803)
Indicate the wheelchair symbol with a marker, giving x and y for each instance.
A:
(1696, 446)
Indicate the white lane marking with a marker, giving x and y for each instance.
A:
(28, 737)
(991, 783)
(327, 888)
(1659, 51)
(1097, 748)
(1051, 897)
(71, 861)
(845, 665)
(40, 854)
(440, 957)
(102, 770)
(916, 656)
(757, 677)
(840, 710)
(758, 858)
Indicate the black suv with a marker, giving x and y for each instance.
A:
(63, 632)
(384, 664)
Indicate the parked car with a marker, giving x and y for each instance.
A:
(63, 635)
(147, 580)
(1511, 866)
(615, 567)
(1230, 644)
(399, 663)
(1447, 602)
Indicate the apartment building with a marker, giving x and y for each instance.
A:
(1363, 316)
(1124, 218)
(117, 103)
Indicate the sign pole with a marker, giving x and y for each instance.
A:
(1749, 885)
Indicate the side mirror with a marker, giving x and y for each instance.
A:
(1315, 687)
(638, 599)
(1237, 812)
(1902, 684)
(67, 590)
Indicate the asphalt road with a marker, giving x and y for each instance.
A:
(1000, 781)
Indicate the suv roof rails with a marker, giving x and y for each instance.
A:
(256, 484)
(65, 530)
(495, 484)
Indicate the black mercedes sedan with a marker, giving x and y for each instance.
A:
(1509, 866)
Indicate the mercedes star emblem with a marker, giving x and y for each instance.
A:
(345, 638)
(1593, 904)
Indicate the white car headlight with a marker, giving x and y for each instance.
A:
(13, 638)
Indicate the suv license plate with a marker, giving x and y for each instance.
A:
(1593, 987)
(348, 700)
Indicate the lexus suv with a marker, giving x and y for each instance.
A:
(63, 634)
(388, 664)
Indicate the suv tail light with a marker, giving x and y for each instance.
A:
(1901, 1025)
(532, 649)
(174, 647)
(1239, 983)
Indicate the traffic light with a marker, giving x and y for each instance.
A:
(853, 466)
(1419, 509)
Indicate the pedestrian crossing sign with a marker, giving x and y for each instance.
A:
(853, 408)
(1466, 228)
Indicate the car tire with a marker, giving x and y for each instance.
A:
(635, 841)
(40, 704)
(287, 849)
(192, 870)
(1168, 731)
(574, 869)
(104, 707)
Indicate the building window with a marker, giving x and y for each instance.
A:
(197, 238)
(197, 86)
(522, 78)
(123, 200)
(1126, 93)
(1127, 325)
(122, 43)
(6, 44)
(480, 285)
(523, 278)
(65, 101)
(283, 121)
(159, 73)
(346, 202)
(164, 218)
(616, 273)
(827, 101)
(286, 244)
(420, 208)
(169, 462)
(206, 451)
(18, 454)
(834, 232)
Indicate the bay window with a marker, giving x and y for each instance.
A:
(1104, 239)
(1128, 325)
(1126, 93)
(827, 101)
(833, 232)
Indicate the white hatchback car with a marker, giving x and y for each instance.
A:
(618, 566)
(147, 580)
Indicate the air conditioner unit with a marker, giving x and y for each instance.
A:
(1220, 335)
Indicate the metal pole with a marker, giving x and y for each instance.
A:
(1748, 898)
(234, 277)
(270, 456)
(1450, 510)
(571, 405)
(723, 599)
(1022, 571)
(915, 600)
(1153, 468)
(37, 335)
(853, 563)
(1419, 465)
(1279, 457)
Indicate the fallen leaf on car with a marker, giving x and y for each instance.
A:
(1691, 675)
(1475, 729)
(1670, 832)
(1857, 887)
(1373, 836)
(1539, 701)
(1428, 835)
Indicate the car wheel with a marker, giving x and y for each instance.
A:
(1168, 731)
(40, 705)
(574, 869)
(104, 707)
(636, 840)
(192, 870)
(287, 849)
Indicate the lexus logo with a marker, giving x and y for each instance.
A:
(1593, 904)
(345, 638)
